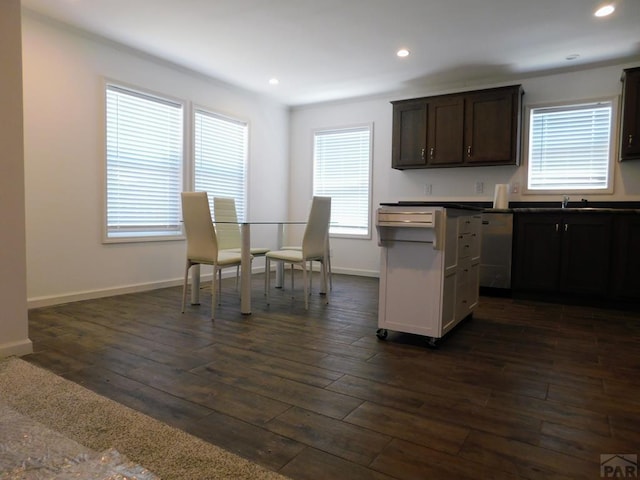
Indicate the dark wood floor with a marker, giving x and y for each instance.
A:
(523, 390)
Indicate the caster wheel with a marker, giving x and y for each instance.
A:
(382, 333)
(433, 342)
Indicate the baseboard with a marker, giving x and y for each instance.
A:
(18, 349)
(48, 301)
(356, 272)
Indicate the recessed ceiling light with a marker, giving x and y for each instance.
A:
(403, 52)
(274, 81)
(605, 10)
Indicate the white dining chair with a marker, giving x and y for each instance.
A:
(202, 243)
(229, 237)
(314, 247)
(328, 261)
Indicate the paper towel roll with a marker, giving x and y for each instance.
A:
(500, 199)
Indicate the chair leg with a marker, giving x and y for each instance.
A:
(219, 286)
(213, 291)
(267, 277)
(184, 285)
(325, 272)
(306, 288)
(329, 274)
(292, 295)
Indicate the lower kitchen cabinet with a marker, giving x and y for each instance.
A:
(563, 253)
(626, 257)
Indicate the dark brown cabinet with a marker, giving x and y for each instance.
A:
(563, 253)
(445, 135)
(626, 257)
(409, 134)
(630, 136)
(458, 130)
(492, 127)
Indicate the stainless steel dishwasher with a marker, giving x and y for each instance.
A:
(495, 255)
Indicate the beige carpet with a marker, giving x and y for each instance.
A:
(101, 424)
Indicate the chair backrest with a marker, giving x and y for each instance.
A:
(202, 244)
(315, 234)
(224, 210)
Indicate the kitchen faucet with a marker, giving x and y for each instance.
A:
(565, 201)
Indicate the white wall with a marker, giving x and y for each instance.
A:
(14, 336)
(456, 184)
(64, 162)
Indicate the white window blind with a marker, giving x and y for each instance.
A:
(144, 149)
(342, 171)
(220, 157)
(569, 147)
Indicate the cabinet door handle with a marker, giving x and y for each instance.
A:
(557, 227)
(432, 152)
(630, 139)
(566, 227)
(422, 154)
(469, 151)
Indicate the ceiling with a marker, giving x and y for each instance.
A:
(334, 49)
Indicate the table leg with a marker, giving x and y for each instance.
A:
(245, 274)
(280, 265)
(195, 285)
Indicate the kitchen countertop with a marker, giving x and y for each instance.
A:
(529, 207)
(562, 210)
(574, 210)
(459, 206)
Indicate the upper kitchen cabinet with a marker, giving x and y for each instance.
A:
(630, 138)
(477, 128)
(492, 126)
(409, 134)
(445, 135)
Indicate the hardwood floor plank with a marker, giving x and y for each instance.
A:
(526, 460)
(380, 393)
(555, 412)
(298, 394)
(278, 366)
(579, 443)
(342, 439)
(314, 464)
(423, 430)
(408, 461)
(249, 441)
(139, 396)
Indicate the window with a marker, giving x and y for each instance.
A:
(570, 148)
(220, 157)
(342, 171)
(144, 150)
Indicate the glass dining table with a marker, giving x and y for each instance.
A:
(245, 270)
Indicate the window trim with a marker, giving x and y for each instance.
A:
(370, 127)
(613, 146)
(162, 97)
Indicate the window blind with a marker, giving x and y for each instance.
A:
(220, 157)
(144, 150)
(342, 171)
(569, 147)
